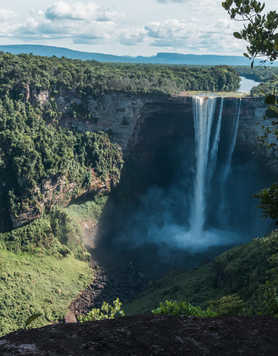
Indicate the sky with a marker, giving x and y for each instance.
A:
(123, 27)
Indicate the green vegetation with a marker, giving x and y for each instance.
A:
(106, 311)
(259, 28)
(35, 284)
(93, 78)
(42, 165)
(182, 308)
(242, 280)
(269, 87)
(258, 73)
(260, 32)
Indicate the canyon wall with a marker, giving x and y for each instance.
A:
(146, 126)
(138, 120)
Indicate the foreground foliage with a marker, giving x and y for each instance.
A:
(182, 308)
(106, 311)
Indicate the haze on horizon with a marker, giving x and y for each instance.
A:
(122, 27)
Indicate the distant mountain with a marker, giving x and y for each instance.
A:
(160, 58)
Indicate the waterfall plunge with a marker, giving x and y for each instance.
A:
(206, 153)
(197, 233)
(204, 110)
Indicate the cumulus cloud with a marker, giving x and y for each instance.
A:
(131, 37)
(79, 11)
(83, 23)
(176, 34)
(65, 11)
(7, 18)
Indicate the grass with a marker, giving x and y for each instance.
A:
(33, 284)
(34, 275)
(82, 218)
(91, 209)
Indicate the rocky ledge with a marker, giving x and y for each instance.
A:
(149, 335)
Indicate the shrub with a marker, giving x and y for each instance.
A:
(182, 308)
(106, 311)
(228, 305)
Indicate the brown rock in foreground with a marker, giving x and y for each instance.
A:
(149, 335)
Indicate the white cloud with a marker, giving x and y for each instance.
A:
(169, 29)
(7, 18)
(147, 28)
(176, 35)
(83, 23)
(131, 37)
(79, 11)
(6, 15)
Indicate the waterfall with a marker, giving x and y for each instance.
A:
(204, 112)
(223, 216)
(215, 146)
(207, 138)
(207, 142)
(227, 168)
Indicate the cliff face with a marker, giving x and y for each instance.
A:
(252, 126)
(142, 125)
(138, 121)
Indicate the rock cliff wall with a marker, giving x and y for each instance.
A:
(144, 126)
(133, 119)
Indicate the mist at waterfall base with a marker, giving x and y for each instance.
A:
(209, 202)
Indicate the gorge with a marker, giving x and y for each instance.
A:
(170, 143)
(129, 162)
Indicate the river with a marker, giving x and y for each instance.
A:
(246, 85)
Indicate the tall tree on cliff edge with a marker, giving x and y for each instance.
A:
(260, 31)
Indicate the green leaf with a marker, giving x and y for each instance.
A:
(237, 35)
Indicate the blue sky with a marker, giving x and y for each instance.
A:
(125, 27)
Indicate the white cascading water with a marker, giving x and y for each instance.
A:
(206, 152)
(215, 146)
(227, 168)
(204, 110)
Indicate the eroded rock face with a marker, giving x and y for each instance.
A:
(116, 114)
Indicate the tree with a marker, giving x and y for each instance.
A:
(259, 28)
